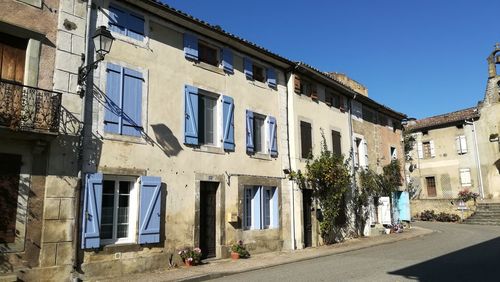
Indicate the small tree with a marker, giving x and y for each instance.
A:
(329, 178)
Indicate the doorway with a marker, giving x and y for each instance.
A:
(307, 205)
(208, 212)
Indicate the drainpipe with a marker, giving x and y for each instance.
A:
(292, 186)
(478, 160)
(351, 135)
(78, 192)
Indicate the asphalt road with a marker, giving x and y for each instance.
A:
(455, 252)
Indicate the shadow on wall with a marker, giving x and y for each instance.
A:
(165, 139)
(475, 263)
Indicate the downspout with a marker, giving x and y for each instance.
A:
(292, 186)
(78, 192)
(351, 135)
(478, 160)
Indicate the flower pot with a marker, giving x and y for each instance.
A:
(235, 255)
(189, 263)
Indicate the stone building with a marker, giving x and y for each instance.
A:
(181, 137)
(457, 151)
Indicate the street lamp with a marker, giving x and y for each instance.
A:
(102, 42)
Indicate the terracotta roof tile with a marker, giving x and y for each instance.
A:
(445, 119)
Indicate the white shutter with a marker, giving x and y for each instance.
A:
(420, 151)
(457, 144)
(463, 144)
(365, 146)
(465, 179)
(433, 153)
(356, 153)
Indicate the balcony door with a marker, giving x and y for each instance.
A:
(12, 57)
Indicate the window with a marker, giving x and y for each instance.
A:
(360, 152)
(123, 107)
(334, 100)
(461, 144)
(465, 178)
(126, 22)
(120, 209)
(261, 134)
(369, 115)
(305, 139)
(12, 61)
(394, 153)
(119, 206)
(309, 89)
(207, 54)
(261, 208)
(357, 109)
(426, 150)
(207, 126)
(431, 186)
(257, 72)
(202, 112)
(336, 145)
(10, 170)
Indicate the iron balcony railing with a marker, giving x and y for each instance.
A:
(26, 108)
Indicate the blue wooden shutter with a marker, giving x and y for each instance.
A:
(117, 18)
(112, 105)
(273, 140)
(191, 46)
(248, 66)
(135, 26)
(404, 206)
(275, 219)
(149, 210)
(132, 102)
(271, 77)
(249, 137)
(256, 201)
(191, 115)
(92, 205)
(228, 122)
(227, 60)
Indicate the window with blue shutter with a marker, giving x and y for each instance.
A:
(126, 22)
(191, 115)
(123, 106)
(271, 77)
(248, 68)
(249, 131)
(227, 60)
(92, 203)
(149, 210)
(228, 122)
(191, 46)
(261, 207)
(273, 139)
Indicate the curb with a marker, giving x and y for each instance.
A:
(216, 275)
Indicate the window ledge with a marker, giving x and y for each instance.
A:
(261, 156)
(260, 84)
(135, 42)
(210, 149)
(209, 67)
(124, 138)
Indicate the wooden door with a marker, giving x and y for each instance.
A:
(307, 205)
(208, 204)
(10, 168)
(431, 186)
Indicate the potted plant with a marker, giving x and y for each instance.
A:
(467, 195)
(190, 256)
(238, 250)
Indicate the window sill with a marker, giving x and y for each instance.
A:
(124, 138)
(209, 67)
(260, 84)
(261, 156)
(126, 39)
(210, 149)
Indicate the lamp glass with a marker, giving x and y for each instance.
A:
(102, 41)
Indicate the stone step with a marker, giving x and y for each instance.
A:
(486, 215)
(8, 278)
(482, 223)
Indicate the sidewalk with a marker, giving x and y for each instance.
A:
(223, 267)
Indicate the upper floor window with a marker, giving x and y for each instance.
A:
(394, 153)
(261, 134)
(334, 100)
(125, 22)
(305, 139)
(12, 59)
(465, 178)
(123, 107)
(336, 145)
(426, 149)
(202, 125)
(208, 54)
(461, 144)
(255, 71)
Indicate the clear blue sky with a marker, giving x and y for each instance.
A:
(420, 57)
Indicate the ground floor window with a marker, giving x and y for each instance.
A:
(431, 186)
(10, 169)
(261, 208)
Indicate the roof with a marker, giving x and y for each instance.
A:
(291, 64)
(445, 119)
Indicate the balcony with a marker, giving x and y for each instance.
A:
(25, 108)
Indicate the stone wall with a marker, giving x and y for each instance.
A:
(440, 205)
